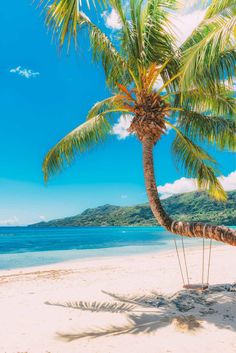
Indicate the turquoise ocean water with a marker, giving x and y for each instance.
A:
(25, 247)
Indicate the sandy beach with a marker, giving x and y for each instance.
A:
(119, 304)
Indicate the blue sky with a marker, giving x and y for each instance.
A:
(45, 94)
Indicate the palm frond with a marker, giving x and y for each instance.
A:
(169, 82)
(136, 25)
(158, 40)
(220, 102)
(66, 22)
(65, 14)
(197, 164)
(215, 130)
(214, 36)
(152, 73)
(79, 140)
(144, 36)
(221, 71)
(216, 7)
(64, 18)
(108, 106)
(128, 47)
(115, 66)
(130, 34)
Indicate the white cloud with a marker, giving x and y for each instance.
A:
(185, 23)
(229, 182)
(120, 129)
(179, 186)
(184, 185)
(158, 84)
(9, 222)
(112, 19)
(230, 85)
(43, 218)
(27, 73)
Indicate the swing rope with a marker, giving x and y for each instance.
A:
(180, 266)
(209, 261)
(185, 261)
(203, 255)
(185, 258)
(184, 255)
(203, 258)
(177, 252)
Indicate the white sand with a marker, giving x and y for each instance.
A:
(27, 324)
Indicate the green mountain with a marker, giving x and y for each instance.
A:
(189, 207)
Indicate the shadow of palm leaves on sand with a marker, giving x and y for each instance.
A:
(148, 313)
(136, 324)
(96, 306)
(152, 300)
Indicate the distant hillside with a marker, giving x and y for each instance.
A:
(189, 207)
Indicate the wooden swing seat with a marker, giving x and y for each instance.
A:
(197, 286)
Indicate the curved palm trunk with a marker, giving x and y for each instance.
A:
(188, 229)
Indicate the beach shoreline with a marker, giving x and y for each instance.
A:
(98, 284)
(106, 254)
(26, 248)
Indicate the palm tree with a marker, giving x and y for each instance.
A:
(200, 110)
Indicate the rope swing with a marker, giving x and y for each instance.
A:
(184, 267)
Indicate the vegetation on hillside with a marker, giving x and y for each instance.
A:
(190, 206)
